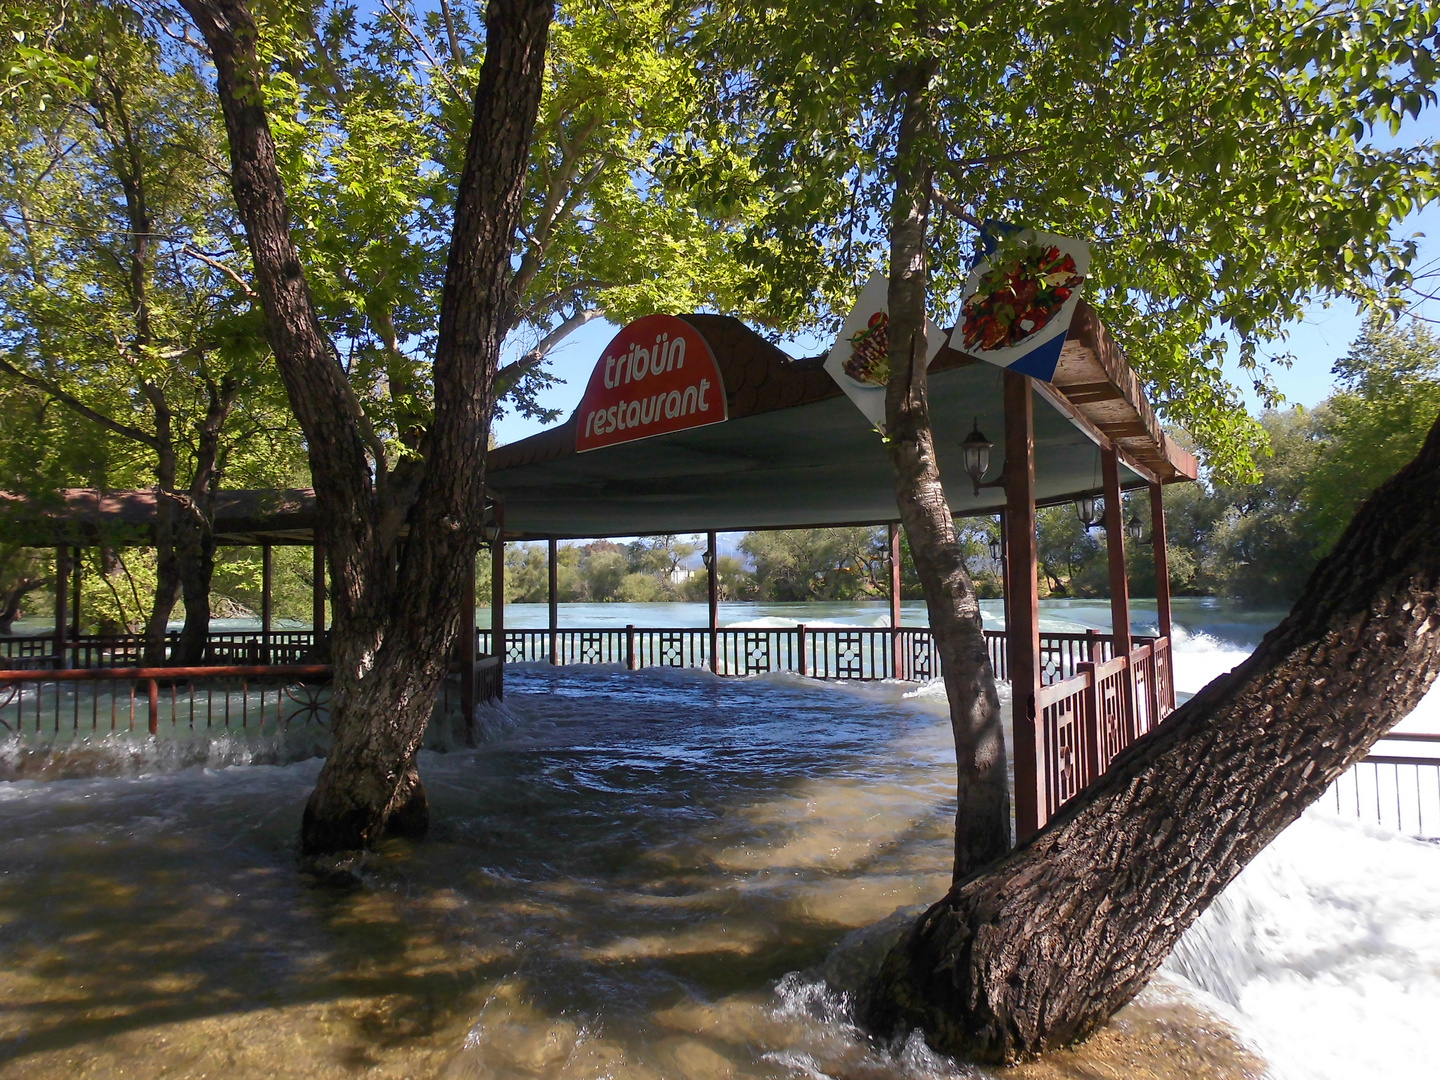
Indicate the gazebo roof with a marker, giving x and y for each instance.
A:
(86, 517)
(795, 452)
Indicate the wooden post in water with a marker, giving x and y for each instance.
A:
(497, 588)
(317, 597)
(267, 597)
(1115, 550)
(800, 659)
(1022, 637)
(554, 567)
(893, 550)
(712, 569)
(467, 650)
(62, 601)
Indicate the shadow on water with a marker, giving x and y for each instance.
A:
(613, 887)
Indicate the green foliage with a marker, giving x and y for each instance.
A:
(1388, 398)
(818, 564)
(1220, 157)
(121, 264)
(371, 106)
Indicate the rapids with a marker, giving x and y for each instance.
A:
(653, 875)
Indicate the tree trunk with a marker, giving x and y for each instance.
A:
(167, 568)
(982, 816)
(13, 598)
(1041, 949)
(195, 565)
(396, 613)
(194, 524)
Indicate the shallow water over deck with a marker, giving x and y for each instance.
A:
(637, 875)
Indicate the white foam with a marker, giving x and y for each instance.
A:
(1328, 944)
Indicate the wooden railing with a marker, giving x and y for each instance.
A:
(1085, 721)
(822, 652)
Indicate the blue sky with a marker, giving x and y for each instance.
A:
(1316, 341)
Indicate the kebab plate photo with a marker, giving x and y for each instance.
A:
(1016, 298)
(868, 363)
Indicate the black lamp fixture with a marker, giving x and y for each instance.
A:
(1090, 511)
(489, 522)
(1135, 529)
(996, 549)
(977, 455)
(708, 558)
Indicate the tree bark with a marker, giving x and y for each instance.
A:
(982, 816)
(396, 610)
(1042, 948)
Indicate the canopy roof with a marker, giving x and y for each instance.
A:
(795, 452)
(86, 517)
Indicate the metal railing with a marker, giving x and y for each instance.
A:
(165, 700)
(249, 647)
(1392, 788)
(100, 700)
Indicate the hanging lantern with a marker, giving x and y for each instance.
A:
(1090, 511)
(977, 455)
(1135, 528)
(996, 549)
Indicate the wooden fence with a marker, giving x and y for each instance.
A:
(821, 652)
(1085, 720)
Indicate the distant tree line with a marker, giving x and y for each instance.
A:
(1258, 541)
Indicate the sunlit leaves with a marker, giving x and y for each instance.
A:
(1220, 157)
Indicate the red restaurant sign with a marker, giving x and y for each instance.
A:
(656, 376)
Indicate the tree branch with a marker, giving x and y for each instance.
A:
(226, 270)
(511, 373)
(71, 402)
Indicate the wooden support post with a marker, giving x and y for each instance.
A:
(1022, 636)
(630, 663)
(554, 566)
(1119, 582)
(1162, 559)
(497, 587)
(1158, 540)
(894, 560)
(79, 574)
(713, 573)
(317, 597)
(267, 598)
(467, 650)
(1004, 578)
(800, 658)
(1115, 550)
(62, 602)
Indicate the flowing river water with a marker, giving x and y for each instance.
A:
(656, 874)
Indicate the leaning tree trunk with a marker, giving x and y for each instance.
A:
(1041, 949)
(395, 616)
(982, 816)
